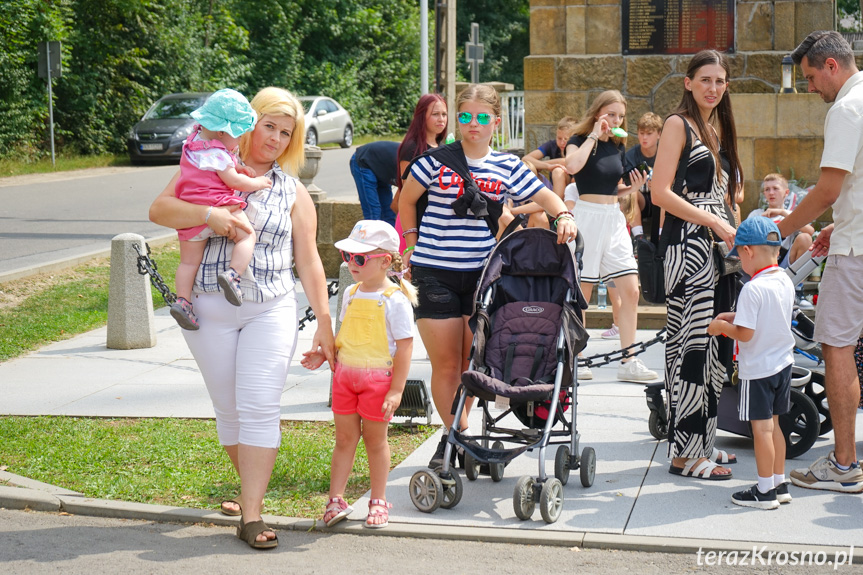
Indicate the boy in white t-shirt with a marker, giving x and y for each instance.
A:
(762, 327)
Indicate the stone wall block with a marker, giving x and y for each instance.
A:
(541, 3)
(812, 15)
(800, 115)
(547, 30)
(667, 95)
(746, 154)
(603, 29)
(576, 29)
(751, 195)
(754, 26)
(537, 134)
(643, 73)
(752, 86)
(539, 73)
(343, 217)
(754, 115)
(803, 155)
(539, 107)
(570, 104)
(764, 65)
(635, 108)
(783, 26)
(590, 73)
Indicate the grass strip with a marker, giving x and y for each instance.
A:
(43, 309)
(179, 462)
(64, 163)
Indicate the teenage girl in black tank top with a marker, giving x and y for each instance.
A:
(595, 157)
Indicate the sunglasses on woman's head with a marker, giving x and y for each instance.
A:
(482, 119)
(359, 259)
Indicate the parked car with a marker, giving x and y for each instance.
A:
(327, 122)
(160, 134)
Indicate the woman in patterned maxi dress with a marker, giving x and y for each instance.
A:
(695, 363)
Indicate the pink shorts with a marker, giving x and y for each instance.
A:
(361, 390)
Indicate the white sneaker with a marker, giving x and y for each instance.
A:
(611, 333)
(805, 304)
(635, 371)
(584, 372)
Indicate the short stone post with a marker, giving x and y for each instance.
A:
(345, 280)
(130, 304)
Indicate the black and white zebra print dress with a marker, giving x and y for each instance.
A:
(696, 363)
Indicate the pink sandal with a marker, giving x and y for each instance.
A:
(383, 512)
(337, 509)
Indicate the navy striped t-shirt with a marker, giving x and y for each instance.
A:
(450, 242)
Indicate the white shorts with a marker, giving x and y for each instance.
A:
(607, 246)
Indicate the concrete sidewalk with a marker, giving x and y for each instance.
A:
(633, 503)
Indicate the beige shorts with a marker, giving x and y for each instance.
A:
(839, 313)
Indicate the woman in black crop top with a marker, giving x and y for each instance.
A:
(595, 157)
(695, 363)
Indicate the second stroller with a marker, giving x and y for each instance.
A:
(528, 332)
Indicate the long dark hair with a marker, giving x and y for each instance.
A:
(721, 114)
(417, 130)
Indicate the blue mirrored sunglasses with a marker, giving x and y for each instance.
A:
(482, 119)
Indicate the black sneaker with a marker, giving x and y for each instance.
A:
(754, 498)
(782, 495)
(437, 459)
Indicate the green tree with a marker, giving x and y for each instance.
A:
(504, 31)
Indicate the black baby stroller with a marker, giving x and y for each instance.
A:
(528, 332)
(808, 417)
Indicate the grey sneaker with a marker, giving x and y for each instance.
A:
(823, 474)
(782, 495)
(635, 371)
(229, 281)
(755, 499)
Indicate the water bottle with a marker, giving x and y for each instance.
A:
(601, 296)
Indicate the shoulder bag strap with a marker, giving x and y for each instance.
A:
(677, 187)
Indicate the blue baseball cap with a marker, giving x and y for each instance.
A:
(754, 232)
(226, 111)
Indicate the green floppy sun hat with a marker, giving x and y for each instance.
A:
(226, 111)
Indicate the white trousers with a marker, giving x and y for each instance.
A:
(244, 354)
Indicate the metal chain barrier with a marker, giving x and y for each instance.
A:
(601, 359)
(332, 289)
(148, 266)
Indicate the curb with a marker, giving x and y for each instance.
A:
(39, 496)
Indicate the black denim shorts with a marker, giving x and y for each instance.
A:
(443, 294)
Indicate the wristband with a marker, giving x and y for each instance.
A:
(407, 249)
(209, 211)
(567, 216)
(593, 137)
(410, 231)
(563, 213)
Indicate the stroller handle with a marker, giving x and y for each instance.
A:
(579, 242)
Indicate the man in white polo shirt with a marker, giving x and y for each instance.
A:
(828, 65)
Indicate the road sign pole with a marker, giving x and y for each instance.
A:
(50, 101)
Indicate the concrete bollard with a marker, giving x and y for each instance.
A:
(130, 304)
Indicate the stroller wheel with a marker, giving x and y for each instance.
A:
(816, 392)
(452, 490)
(496, 469)
(523, 502)
(587, 466)
(471, 467)
(561, 464)
(658, 428)
(551, 499)
(800, 425)
(426, 491)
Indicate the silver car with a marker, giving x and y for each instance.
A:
(327, 122)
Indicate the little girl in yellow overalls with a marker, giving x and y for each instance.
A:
(374, 347)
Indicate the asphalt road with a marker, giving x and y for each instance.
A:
(49, 217)
(33, 542)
